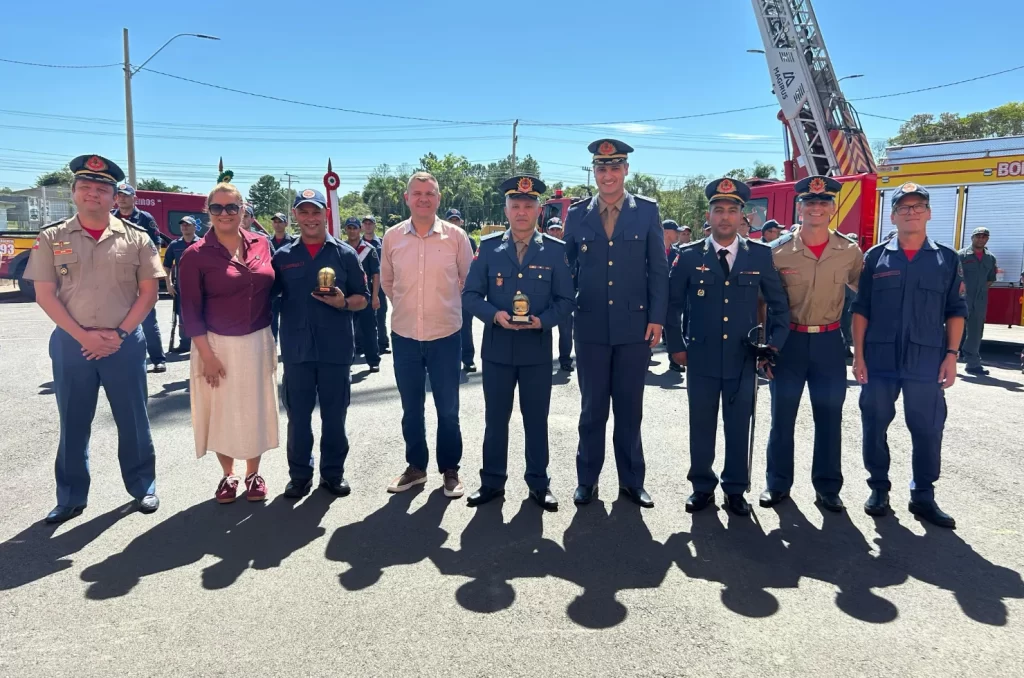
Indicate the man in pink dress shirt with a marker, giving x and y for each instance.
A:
(424, 264)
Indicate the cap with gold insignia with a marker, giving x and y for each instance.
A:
(310, 195)
(96, 168)
(906, 189)
(554, 222)
(523, 187)
(610, 151)
(126, 188)
(727, 189)
(817, 187)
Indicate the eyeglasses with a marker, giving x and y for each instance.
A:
(918, 208)
(217, 209)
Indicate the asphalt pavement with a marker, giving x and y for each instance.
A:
(415, 584)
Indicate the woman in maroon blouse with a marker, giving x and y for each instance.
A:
(225, 280)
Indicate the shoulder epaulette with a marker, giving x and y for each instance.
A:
(645, 198)
(781, 240)
(56, 223)
(553, 238)
(492, 236)
(690, 245)
(758, 243)
(847, 236)
(943, 246)
(135, 226)
(579, 202)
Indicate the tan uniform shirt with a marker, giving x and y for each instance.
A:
(817, 287)
(96, 281)
(610, 214)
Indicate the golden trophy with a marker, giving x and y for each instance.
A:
(520, 310)
(325, 283)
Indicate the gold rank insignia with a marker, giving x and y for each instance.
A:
(700, 293)
(500, 281)
(63, 270)
(703, 268)
(584, 247)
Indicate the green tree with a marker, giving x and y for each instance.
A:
(6, 190)
(383, 191)
(267, 196)
(762, 170)
(154, 184)
(639, 183)
(1001, 121)
(60, 177)
(351, 205)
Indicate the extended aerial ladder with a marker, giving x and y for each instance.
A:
(826, 134)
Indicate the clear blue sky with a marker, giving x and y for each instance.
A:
(570, 62)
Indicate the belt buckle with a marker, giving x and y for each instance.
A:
(813, 329)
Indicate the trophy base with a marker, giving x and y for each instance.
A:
(520, 320)
(325, 291)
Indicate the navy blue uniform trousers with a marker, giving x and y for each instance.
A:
(500, 383)
(819, 360)
(924, 407)
(364, 324)
(303, 384)
(154, 344)
(611, 375)
(77, 383)
(382, 323)
(736, 396)
(468, 350)
(565, 340)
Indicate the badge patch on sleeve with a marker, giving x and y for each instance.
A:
(963, 289)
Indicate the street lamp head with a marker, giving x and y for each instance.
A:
(755, 51)
(205, 37)
(850, 77)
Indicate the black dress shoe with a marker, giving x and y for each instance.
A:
(770, 498)
(484, 495)
(979, 371)
(545, 499)
(737, 503)
(385, 350)
(584, 494)
(159, 368)
(930, 511)
(339, 487)
(469, 367)
(297, 488)
(877, 504)
(676, 367)
(698, 501)
(148, 504)
(638, 496)
(61, 513)
(565, 367)
(375, 368)
(830, 501)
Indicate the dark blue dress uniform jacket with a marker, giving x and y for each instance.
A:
(623, 282)
(907, 304)
(718, 312)
(310, 329)
(494, 279)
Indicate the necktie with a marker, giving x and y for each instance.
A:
(723, 256)
(520, 250)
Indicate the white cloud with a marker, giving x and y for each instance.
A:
(744, 137)
(635, 128)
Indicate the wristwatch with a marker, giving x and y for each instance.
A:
(952, 351)
(121, 333)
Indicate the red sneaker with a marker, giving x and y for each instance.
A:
(255, 487)
(227, 490)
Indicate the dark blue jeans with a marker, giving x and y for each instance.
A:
(438, 360)
(153, 342)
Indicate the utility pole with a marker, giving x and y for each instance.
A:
(514, 140)
(128, 118)
(587, 169)
(291, 197)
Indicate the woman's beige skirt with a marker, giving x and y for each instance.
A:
(238, 418)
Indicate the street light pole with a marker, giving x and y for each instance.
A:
(128, 118)
(128, 73)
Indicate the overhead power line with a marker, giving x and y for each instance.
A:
(29, 63)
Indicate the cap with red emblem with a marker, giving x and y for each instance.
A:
(817, 187)
(727, 189)
(96, 168)
(609, 151)
(523, 187)
(310, 195)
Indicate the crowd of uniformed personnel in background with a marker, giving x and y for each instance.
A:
(611, 279)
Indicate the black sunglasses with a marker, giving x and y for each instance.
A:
(217, 209)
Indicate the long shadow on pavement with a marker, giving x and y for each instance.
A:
(941, 558)
(389, 536)
(242, 535)
(493, 552)
(36, 552)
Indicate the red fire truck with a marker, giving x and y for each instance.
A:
(166, 208)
